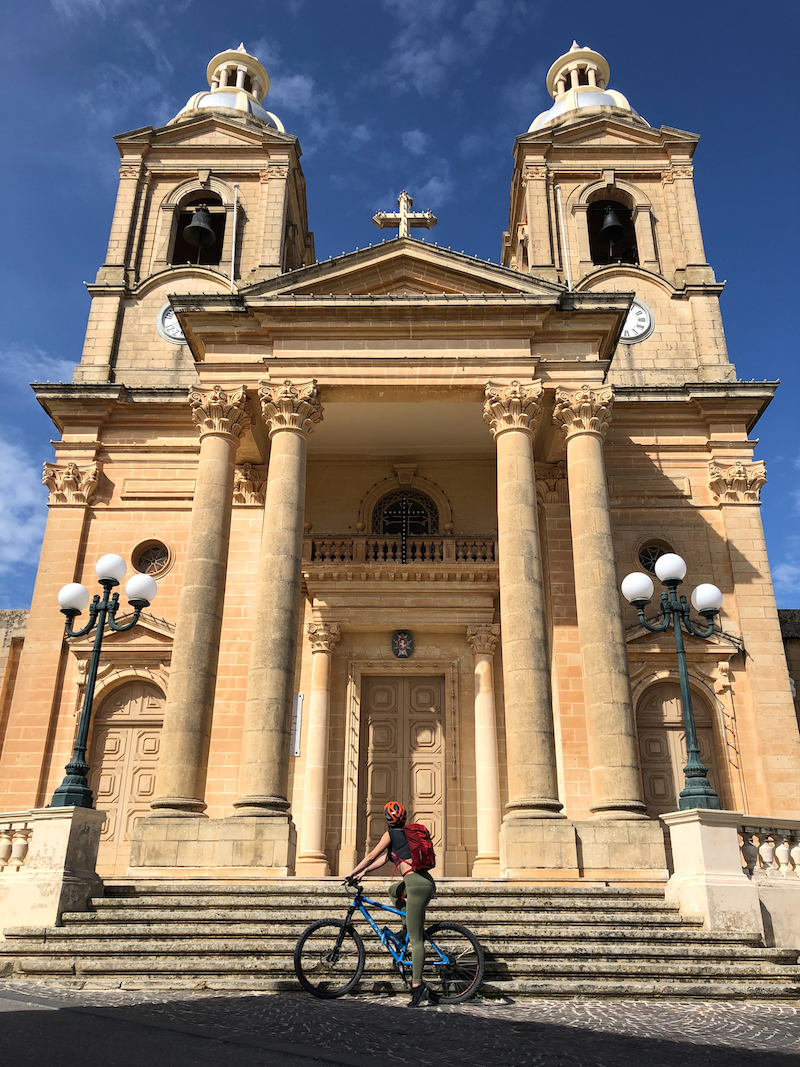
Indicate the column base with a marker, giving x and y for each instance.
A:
(622, 811)
(177, 807)
(486, 865)
(261, 807)
(535, 808)
(223, 847)
(312, 865)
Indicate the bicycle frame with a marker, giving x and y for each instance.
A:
(388, 939)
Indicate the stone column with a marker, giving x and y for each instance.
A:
(584, 416)
(483, 640)
(311, 859)
(291, 411)
(513, 412)
(221, 418)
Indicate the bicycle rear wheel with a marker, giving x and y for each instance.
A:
(329, 959)
(458, 976)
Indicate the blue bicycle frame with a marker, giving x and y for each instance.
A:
(399, 950)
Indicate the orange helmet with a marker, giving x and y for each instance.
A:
(394, 813)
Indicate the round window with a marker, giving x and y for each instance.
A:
(151, 558)
(650, 552)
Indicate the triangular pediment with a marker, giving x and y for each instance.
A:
(208, 128)
(611, 130)
(403, 267)
(149, 630)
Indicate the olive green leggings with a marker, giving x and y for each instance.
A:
(420, 887)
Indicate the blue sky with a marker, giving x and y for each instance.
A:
(386, 94)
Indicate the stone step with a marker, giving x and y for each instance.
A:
(498, 947)
(376, 969)
(291, 887)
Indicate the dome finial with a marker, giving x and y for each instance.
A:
(241, 48)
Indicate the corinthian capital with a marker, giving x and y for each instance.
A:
(513, 407)
(323, 636)
(71, 484)
(291, 406)
(584, 411)
(740, 483)
(248, 484)
(482, 639)
(216, 411)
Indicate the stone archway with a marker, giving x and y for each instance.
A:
(125, 745)
(662, 745)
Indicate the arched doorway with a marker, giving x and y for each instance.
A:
(124, 754)
(662, 745)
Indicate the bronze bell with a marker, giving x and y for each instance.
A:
(199, 233)
(612, 229)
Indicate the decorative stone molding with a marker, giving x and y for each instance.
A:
(740, 483)
(513, 407)
(551, 483)
(249, 483)
(483, 638)
(71, 484)
(218, 412)
(323, 636)
(534, 171)
(291, 406)
(583, 411)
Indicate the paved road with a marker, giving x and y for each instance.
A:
(46, 1026)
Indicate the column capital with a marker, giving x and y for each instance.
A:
(71, 484)
(291, 406)
(249, 483)
(323, 636)
(741, 483)
(585, 410)
(513, 407)
(217, 412)
(483, 638)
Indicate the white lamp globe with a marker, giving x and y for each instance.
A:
(670, 567)
(73, 597)
(707, 599)
(637, 588)
(111, 567)
(141, 587)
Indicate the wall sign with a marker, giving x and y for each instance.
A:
(402, 644)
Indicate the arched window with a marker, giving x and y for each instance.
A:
(184, 251)
(405, 513)
(617, 243)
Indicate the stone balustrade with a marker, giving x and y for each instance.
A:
(770, 848)
(16, 830)
(375, 549)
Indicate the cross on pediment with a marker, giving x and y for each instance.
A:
(405, 218)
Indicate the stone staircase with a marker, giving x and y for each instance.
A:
(539, 941)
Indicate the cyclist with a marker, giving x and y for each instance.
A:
(416, 886)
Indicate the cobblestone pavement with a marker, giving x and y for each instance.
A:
(295, 1029)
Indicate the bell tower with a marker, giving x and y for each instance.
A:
(210, 203)
(602, 201)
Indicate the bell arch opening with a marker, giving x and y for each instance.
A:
(199, 230)
(612, 234)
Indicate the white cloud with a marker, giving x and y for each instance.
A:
(786, 578)
(22, 364)
(434, 192)
(115, 94)
(415, 141)
(434, 37)
(23, 509)
(73, 9)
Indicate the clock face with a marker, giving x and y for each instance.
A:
(169, 327)
(639, 323)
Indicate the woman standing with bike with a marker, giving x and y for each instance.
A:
(416, 886)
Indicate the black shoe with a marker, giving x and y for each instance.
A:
(422, 996)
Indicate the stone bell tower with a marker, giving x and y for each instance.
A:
(602, 201)
(223, 153)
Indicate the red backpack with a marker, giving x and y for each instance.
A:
(423, 858)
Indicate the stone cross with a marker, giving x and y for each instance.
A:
(405, 218)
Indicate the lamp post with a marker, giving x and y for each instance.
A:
(74, 791)
(638, 589)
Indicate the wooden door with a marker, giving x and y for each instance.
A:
(125, 746)
(402, 746)
(662, 746)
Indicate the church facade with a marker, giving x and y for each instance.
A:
(387, 500)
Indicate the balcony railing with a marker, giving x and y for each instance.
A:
(414, 550)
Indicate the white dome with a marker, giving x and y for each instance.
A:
(233, 100)
(237, 82)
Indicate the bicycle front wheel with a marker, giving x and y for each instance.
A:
(329, 959)
(453, 962)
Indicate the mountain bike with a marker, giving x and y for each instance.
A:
(329, 957)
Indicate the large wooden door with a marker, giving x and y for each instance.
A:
(662, 745)
(402, 754)
(125, 746)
